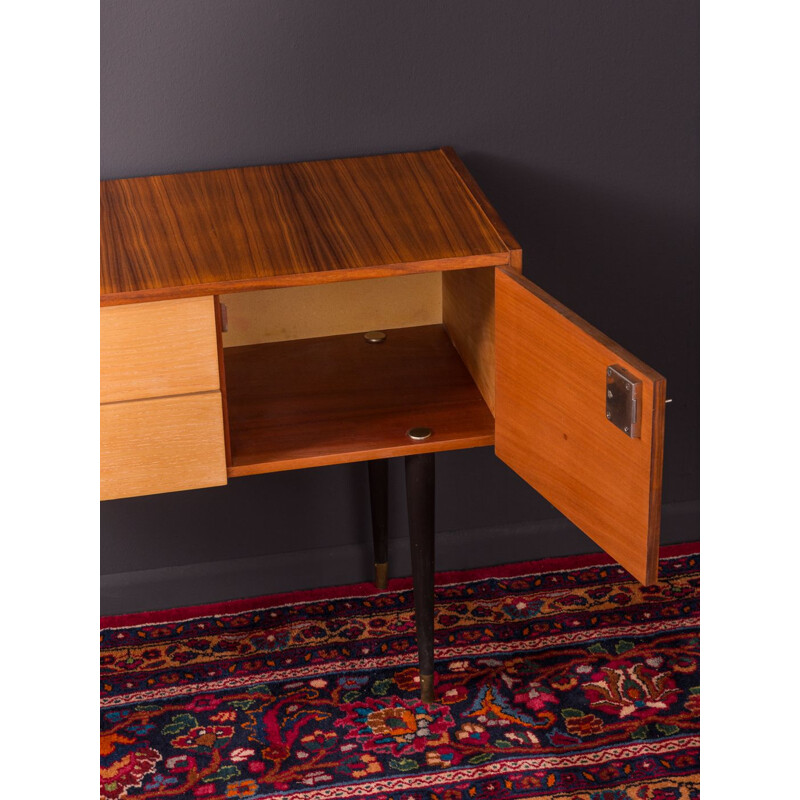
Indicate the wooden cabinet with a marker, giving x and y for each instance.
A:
(308, 257)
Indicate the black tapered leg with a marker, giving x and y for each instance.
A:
(379, 503)
(420, 476)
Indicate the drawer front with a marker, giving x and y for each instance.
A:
(158, 349)
(165, 444)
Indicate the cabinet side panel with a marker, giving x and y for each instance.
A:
(162, 445)
(468, 316)
(551, 425)
(157, 349)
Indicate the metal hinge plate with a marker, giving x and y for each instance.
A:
(624, 400)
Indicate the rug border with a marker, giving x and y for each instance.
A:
(237, 606)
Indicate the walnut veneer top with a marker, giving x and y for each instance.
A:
(237, 229)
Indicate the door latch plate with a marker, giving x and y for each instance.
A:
(624, 400)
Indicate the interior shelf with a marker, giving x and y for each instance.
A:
(336, 399)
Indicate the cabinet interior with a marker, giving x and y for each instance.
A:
(305, 388)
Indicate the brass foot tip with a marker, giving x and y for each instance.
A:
(381, 576)
(426, 688)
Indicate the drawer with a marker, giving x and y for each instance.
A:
(161, 445)
(158, 349)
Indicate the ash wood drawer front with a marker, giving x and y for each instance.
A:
(157, 349)
(159, 445)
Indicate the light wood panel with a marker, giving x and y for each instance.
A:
(157, 349)
(231, 230)
(307, 312)
(222, 382)
(337, 399)
(551, 427)
(468, 316)
(164, 444)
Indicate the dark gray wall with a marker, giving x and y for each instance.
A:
(579, 120)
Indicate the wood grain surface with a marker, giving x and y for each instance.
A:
(165, 444)
(552, 430)
(468, 316)
(338, 399)
(512, 245)
(158, 349)
(230, 230)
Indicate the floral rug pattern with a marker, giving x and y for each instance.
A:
(556, 679)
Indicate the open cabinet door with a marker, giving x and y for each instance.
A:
(551, 424)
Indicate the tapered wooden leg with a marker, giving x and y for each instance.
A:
(420, 476)
(379, 504)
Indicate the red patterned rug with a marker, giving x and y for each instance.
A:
(556, 679)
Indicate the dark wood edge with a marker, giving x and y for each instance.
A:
(222, 385)
(636, 364)
(656, 480)
(500, 228)
(305, 279)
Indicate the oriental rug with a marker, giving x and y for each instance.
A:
(555, 679)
